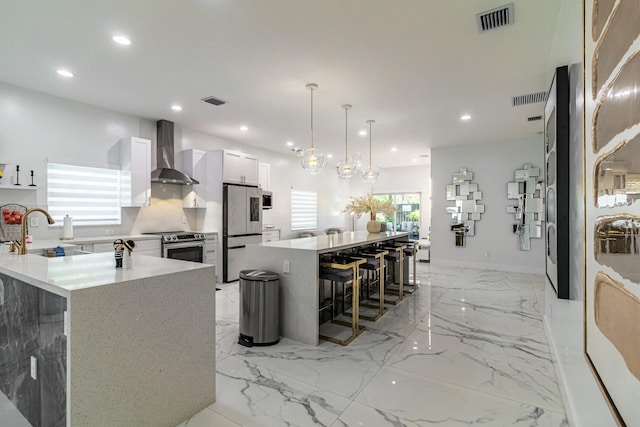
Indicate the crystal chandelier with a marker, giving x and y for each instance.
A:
(371, 175)
(312, 159)
(346, 168)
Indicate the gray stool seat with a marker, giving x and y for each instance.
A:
(371, 264)
(392, 256)
(335, 274)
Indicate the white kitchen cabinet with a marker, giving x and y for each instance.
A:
(101, 247)
(135, 169)
(264, 176)
(211, 249)
(239, 168)
(270, 236)
(143, 247)
(148, 247)
(194, 164)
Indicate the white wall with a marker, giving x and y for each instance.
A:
(286, 174)
(493, 166)
(407, 179)
(35, 127)
(564, 319)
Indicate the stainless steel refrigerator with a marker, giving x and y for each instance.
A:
(242, 224)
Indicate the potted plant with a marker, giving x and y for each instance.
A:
(371, 205)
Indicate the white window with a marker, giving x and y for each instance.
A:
(89, 195)
(304, 210)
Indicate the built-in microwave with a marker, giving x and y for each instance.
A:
(267, 200)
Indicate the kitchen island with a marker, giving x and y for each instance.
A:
(299, 297)
(107, 346)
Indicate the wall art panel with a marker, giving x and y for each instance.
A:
(556, 137)
(612, 213)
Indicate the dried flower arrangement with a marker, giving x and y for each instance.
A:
(361, 205)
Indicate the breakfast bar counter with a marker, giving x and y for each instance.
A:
(108, 346)
(299, 297)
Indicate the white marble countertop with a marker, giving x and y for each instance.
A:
(331, 242)
(39, 245)
(105, 239)
(63, 275)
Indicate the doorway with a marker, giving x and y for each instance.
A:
(407, 215)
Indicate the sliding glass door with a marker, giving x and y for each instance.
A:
(407, 215)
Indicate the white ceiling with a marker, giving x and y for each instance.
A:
(414, 66)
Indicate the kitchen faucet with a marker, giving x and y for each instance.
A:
(21, 245)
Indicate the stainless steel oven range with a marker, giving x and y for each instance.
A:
(183, 245)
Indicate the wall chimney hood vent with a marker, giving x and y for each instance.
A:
(165, 173)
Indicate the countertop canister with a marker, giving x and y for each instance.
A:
(67, 228)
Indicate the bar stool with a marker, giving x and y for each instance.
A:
(410, 251)
(375, 273)
(341, 270)
(395, 263)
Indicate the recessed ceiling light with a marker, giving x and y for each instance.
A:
(329, 156)
(289, 144)
(176, 108)
(244, 128)
(414, 160)
(465, 117)
(362, 133)
(65, 73)
(394, 149)
(121, 40)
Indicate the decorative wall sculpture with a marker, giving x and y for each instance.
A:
(556, 137)
(466, 210)
(528, 189)
(612, 209)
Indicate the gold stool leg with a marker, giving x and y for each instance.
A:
(381, 283)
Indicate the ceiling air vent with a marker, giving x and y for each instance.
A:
(214, 101)
(534, 118)
(495, 18)
(531, 98)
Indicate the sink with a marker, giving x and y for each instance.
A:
(67, 252)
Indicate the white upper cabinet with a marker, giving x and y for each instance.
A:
(264, 176)
(239, 168)
(194, 164)
(135, 167)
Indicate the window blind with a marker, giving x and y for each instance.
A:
(89, 195)
(304, 210)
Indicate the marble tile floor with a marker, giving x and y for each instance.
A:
(468, 348)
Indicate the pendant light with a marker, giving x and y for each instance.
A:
(371, 175)
(346, 167)
(312, 159)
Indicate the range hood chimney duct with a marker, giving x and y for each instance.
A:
(165, 173)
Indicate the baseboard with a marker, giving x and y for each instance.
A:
(560, 374)
(485, 266)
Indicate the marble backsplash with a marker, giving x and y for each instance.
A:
(33, 321)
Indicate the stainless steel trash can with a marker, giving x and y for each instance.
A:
(259, 308)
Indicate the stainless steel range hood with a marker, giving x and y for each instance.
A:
(165, 173)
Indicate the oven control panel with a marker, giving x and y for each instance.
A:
(182, 237)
